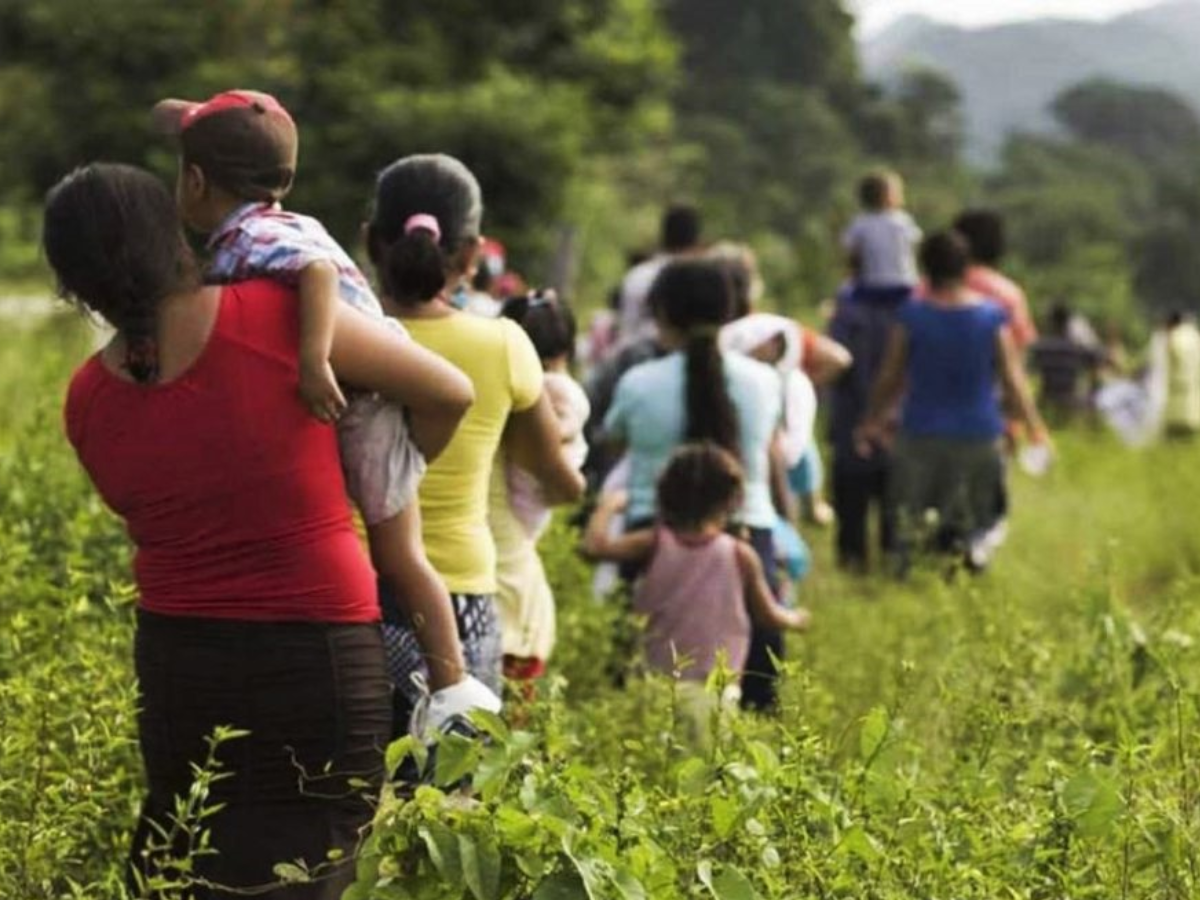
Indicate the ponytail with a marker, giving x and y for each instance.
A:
(414, 270)
(694, 297)
(112, 235)
(711, 415)
(139, 329)
(424, 225)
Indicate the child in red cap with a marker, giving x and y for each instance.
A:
(238, 155)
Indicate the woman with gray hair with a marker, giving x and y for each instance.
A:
(423, 238)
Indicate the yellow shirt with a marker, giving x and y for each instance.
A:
(1183, 377)
(500, 360)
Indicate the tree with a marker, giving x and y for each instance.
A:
(524, 90)
(1152, 125)
(728, 47)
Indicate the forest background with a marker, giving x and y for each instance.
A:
(582, 118)
(1029, 734)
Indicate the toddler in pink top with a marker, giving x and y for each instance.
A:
(702, 585)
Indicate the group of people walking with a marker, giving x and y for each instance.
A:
(205, 422)
(246, 393)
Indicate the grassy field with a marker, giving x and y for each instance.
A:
(1028, 734)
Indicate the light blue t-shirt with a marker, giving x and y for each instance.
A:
(648, 414)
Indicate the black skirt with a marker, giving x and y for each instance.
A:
(317, 702)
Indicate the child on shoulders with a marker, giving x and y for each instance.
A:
(882, 239)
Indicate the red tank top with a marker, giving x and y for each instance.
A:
(231, 492)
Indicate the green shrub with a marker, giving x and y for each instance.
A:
(1027, 734)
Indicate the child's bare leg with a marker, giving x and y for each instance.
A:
(398, 554)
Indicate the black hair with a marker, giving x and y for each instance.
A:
(681, 226)
(944, 258)
(547, 320)
(741, 285)
(1060, 319)
(694, 297)
(414, 265)
(483, 281)
(740, 267)
(984, 233)
(873, 189)
(701, 482)
(113, 237)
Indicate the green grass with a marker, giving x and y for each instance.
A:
(1028, 734)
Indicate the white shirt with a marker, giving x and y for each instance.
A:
(884, 243)
(636, 320)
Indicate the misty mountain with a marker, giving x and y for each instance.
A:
(1009, 74)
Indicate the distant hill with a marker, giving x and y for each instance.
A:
(1009, 74)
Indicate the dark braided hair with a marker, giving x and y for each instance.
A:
(113, 236)
(694, 296)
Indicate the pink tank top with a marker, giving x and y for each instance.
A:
(693, 597)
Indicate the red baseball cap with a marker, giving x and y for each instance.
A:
(244, 141)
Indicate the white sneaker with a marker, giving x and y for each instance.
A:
(984, 547)
(444, 709)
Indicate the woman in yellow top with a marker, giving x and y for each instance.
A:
(422, 238)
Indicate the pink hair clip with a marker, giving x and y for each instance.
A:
(427, 222)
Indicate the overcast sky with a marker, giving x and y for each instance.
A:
(875, 15)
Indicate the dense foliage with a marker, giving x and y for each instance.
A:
(528, 94)
(581, 118)
(1029, 734)
(1103, 215)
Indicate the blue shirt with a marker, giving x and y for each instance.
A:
(649, 412)
(952, 358)
(861, 323)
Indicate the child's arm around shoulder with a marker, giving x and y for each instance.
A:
(318, 288)
(633, 546)
(760, 602)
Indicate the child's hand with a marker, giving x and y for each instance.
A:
(798, 619)
(319, 390)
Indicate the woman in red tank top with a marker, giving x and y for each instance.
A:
(257, 603)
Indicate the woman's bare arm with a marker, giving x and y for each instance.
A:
(533, 441)
(827, 360)
(633, 546)
(1016, 386)
(781, 492)
(368, 354)
(889, 384)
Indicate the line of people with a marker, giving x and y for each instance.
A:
(247, 393)
(917, 364)
(206, 424)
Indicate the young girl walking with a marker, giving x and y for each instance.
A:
(702, 586)
(518, 513)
